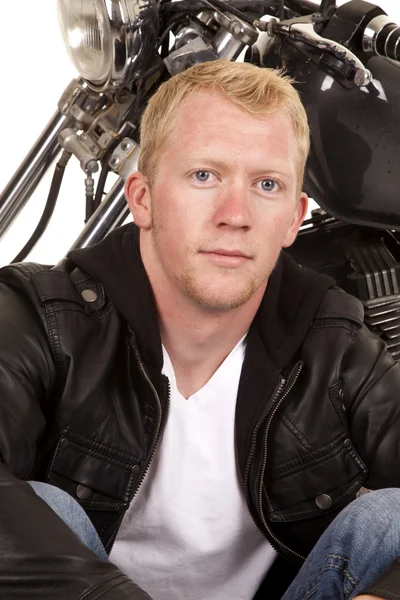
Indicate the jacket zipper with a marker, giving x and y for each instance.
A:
(160, 419)
(158, 431)
(284, 388)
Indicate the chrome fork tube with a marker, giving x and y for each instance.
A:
(111, 213)
(24, 181)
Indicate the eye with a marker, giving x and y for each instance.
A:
(202, 176)
(269, 185)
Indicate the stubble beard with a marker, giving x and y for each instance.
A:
(194, 287)
(222, 299)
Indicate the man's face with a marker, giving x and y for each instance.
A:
(223, 202)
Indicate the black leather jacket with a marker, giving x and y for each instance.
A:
(83, 403)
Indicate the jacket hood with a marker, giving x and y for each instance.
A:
(290, 302)
(116, 263)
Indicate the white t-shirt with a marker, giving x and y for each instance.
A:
(188, 534)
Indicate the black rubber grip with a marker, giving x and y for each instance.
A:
(387, 39)
(393, 45)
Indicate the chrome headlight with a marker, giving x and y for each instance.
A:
(110, 42)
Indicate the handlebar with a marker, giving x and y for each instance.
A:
(382, 37)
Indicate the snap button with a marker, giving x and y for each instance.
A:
(63, 442)
(323, 501)
(341, 393)
(135, 469)
(89, 295)
(347, 443)
(83, 492)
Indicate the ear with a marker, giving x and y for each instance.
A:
(137, 194)
(298, 218)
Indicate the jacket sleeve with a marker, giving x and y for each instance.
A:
(371, 386)
(40, 557)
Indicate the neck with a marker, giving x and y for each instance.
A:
(198, 344)
(198, 338)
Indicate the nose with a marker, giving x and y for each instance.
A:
(233, 207)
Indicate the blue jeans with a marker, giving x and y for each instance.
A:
(349, 557)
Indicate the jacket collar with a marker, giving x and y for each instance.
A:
(290, 302)
(116, 263)
(291, 299)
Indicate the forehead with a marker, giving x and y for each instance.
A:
(209, 120)
(212, 105)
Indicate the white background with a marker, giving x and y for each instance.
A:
(34, 70)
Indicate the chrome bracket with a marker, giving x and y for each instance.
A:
(125, 157)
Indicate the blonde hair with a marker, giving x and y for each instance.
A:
(259, 91)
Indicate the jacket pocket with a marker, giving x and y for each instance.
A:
(99, 478)
(325, 482)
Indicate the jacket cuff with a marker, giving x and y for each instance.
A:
(388, 585)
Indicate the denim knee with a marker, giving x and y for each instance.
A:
(60, 501)
(369, 525)
(354, 551)
(375, 509)
(72, 513)
(387, 499)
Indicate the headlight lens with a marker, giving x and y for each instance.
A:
(86, 31)
(110, 42)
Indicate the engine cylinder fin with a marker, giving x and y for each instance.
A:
(373, 262)
(378, 272)
(388, 328)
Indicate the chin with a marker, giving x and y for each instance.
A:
(221, 292)
(220, 300)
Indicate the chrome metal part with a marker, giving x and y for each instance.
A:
(108, 123)
(363, 75)
(392, 46)
(89, 184)
(71, 142)
(306, 7)
(113, 54)
(24, 181)
(124, 159)
(206, 17)
(178, 60)
(79, 101)
(99, 119)
(187, 34)
(382, 37)
(303, 31)
(265, 44)
(267, 24)
(193, 43)
(226, 45)
(240, 30)
(372, 31)
(111, 213)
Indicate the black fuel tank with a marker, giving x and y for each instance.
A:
(353, 170)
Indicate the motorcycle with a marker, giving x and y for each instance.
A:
(345, 61)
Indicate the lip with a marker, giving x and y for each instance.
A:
(226, 258)
(224, 252)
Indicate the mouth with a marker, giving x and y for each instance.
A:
(226, 258)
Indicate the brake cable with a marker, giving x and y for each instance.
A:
(48, 209)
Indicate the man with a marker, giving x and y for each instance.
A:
(209, 403)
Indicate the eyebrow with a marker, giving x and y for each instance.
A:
(219, 164)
